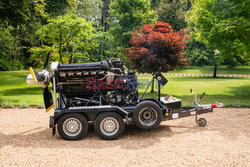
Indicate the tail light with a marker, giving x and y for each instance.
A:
(214, 105)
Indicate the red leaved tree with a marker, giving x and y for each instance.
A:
(157, 48)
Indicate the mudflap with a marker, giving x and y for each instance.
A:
(53, 131)
(52, 125)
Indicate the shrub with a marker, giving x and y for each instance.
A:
(156, 47)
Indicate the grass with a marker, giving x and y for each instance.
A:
(244, 70)
(230, 91)
(15, 91)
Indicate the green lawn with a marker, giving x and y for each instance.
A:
(210, 69)
(231, 91)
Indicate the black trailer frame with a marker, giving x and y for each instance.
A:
(126, 112)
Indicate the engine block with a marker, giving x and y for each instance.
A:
(78, 84)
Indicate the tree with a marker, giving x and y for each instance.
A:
(129, 16)
(155, 3)
(223, 26)
(173, 12)
(59, 7)
(8, 48)
(70, 36)
(25, 17)
(90, 10)
(198, 53)
(157, 48)
(17, 12)
(102, 29)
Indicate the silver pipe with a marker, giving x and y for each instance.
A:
(113, 69)
(54, 89)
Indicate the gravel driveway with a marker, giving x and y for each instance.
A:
(25, 140)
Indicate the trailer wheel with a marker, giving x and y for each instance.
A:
(147, 115)
(72, 126)
(109, 125)
(202, 122)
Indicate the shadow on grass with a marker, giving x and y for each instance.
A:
(14, 77)
(22, 91)
(6, 103)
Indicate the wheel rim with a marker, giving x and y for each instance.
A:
(147, 116)
(202, 122)
(109, 126)
(72, 127)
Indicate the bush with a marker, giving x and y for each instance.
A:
(156, 47)
(4, 65)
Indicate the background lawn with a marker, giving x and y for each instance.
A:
(245, 70)
(231, 91)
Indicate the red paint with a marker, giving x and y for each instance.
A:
(214, 105)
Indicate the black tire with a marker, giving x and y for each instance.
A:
(72, 121)
(110, 119)
(202, 122)
(147, 115)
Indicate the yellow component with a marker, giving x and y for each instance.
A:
(166, 114)
(48, 50)
(50, 107)
(33, 74)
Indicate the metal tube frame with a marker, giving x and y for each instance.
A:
(54, 88)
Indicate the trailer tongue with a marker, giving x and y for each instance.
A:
(175, 110)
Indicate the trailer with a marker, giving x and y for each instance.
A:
(103, 94)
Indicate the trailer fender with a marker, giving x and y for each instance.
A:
(90, 111)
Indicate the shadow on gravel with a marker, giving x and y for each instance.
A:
(133, 138)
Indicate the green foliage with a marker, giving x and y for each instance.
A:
(59, 7)
(6, 42)
(198, 53)
(107, 26)
(129, 16)
(90, 10)
(222, 25)
(39, 54)
(173, 12)
(17, 12)
(8, 49)
(70, 36)
(24, 17)
(155, 3)
(24, 105)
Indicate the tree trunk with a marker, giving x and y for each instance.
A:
(10, 55)
(215, 71)
(15, 54)
(71, 55)
(103, 30)
(14, 61)
(101, 50)
(152, 86)
(60, 46)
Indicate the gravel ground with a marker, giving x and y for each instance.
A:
(25, 140)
